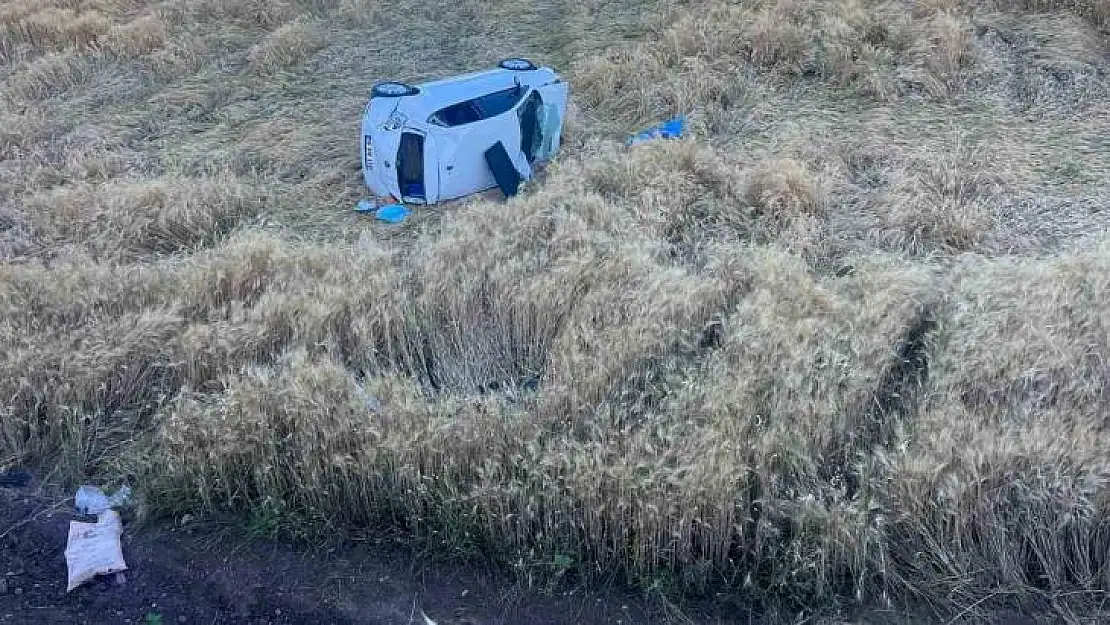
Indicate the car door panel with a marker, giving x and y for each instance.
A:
(553, 114)
(463, 169)
(431, 169)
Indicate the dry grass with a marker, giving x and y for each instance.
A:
(843, 345)
(138, 38)
(783, 189)
(1028, 413)
(289, 44)
(162, 215)
(50, 28)
(1097, 11)
(49, 76)
(946, 204)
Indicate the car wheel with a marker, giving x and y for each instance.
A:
(392, 89)
(517, 65)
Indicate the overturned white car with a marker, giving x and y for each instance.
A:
(445, 139)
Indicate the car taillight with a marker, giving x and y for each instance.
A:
(368, 150)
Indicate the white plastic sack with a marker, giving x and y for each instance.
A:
(92, 500)
(94, 549)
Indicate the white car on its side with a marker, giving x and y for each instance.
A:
(445, 139)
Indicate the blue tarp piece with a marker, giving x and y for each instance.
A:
(667, 130)
(365, 206)
(393, 213)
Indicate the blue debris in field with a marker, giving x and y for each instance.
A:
(393, 213)
(365, 206)
(667, 130)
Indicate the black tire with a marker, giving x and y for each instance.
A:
(517, 64)
(393, 89)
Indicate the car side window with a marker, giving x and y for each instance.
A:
(477, 109)
(457, 114)
(499, 102)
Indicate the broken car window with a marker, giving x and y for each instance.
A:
(477, 109)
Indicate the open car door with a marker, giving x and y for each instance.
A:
(551, 112)
(417, 169)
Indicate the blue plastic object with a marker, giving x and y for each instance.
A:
(393, 213)
(670, 129)
(365, 206)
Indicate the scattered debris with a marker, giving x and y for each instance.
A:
(92, 501)
(94, 549)
(393, 213)
(366, 206)
(670, 129)
(14, 478)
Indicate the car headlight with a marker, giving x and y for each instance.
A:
(395, 121)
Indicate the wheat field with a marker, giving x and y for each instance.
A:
(847, 344)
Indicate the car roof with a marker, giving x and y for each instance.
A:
(437, 94)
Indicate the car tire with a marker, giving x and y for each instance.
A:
(393, 89)
(517, 64)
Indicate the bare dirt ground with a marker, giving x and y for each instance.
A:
(204, 572)
(207, 572)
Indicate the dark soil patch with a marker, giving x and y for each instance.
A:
(206, 573)
(210, 572)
